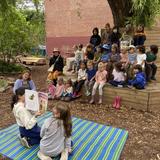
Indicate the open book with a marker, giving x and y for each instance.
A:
(36, 101)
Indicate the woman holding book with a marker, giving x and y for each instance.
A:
(27, 122)
(24, 81)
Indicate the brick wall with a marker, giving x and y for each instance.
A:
(70, 22)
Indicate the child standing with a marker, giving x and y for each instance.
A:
(100, 78)
(27, 122)
(119, 75)
(151, 67)
(139, 80)
(56, 134)
(68, 91)
(91, 72)
(82, 75)
(141, 56)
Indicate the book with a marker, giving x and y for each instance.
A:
(36, 101)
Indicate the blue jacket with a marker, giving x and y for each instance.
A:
(19, 83)
(91, 73)
(139, 80)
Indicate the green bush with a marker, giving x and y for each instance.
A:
(3, 83)
(10, 68)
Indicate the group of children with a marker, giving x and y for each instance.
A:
(126, 67)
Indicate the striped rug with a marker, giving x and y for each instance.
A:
(91, 141)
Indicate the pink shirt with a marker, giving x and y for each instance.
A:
(118, 76)
(59, 90)
(101, 77)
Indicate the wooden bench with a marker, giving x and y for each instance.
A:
(146, 100)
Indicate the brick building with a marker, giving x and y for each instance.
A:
(70, 22)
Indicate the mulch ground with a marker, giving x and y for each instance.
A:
(144, 128)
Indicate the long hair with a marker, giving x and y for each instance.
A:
(19, 92)
(26, 71)
(65, 116)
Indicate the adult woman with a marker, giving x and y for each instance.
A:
(106, 34)
(57, 62)
(24, 81)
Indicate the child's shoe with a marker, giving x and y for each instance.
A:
(74, 95)
(87, 93)
(100, 100)
(24, 142)
(92, 100)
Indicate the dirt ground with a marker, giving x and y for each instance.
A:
(144, 128)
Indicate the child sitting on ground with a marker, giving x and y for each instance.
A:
(91, 72)
(68, 91)
(139, 80)
(27, 122)
(56, 92)
(119, 75)
(100, 80)
(56, 134)
(82, 75)
(51, 89)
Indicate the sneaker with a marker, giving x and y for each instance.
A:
(24, 142)
(120, 86)
(87, 93)
(42, 156)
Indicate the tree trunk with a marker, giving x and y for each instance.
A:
(120, 10)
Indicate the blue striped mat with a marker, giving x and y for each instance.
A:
(91, 141)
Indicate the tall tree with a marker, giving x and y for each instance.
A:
(136, 11)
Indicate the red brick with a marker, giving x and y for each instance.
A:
(62, 19)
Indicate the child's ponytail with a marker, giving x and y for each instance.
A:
(14, 101)
(19, 92)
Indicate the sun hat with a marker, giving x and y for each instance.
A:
(56, 50)
(132, 46)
